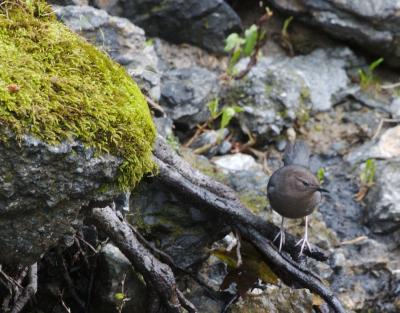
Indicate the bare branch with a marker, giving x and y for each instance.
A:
(157, 274)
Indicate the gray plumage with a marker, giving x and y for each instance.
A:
(293, 191)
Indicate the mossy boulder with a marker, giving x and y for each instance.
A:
(56, 86)
(74, 128)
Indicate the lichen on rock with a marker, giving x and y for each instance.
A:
(56, 86)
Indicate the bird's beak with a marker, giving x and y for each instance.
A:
(322, 190)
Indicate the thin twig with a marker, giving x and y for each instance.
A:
(199, 130)
(238, 245)
(68, 280)
(155, 105)
(390, 86)
(382, 121)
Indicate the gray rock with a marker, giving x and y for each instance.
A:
(210, 142)
(42, 189)
(113, 270)
(367, 121)
(164, 126)
(383, 211)
(279, 90)
(203, 23)
(123, 41)
(69, 2)
(185, 94)
(387, 147)
(237, 162)
(179, 228)
(394, 107)
(224, 147)
(364, 279)
(371, 24)
(276, 299)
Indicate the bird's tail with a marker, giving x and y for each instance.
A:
(297, 153)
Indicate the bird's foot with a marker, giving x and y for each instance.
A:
(281, 235)
(304, 242)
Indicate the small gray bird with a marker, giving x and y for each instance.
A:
(293, 191)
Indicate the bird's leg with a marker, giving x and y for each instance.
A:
(304, 240)
(281, 234)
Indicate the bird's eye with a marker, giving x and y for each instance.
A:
(305, 183)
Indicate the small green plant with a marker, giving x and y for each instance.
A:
(120, 297)
(226, 113)
(240, 47)
(149, 42)
(285, 26)
(367, 179)
(367, 77)
(367, 175)
(321, 175)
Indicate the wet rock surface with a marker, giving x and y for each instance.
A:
(42, 190)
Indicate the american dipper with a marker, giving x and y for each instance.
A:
(293, 191)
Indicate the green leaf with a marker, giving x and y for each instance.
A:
(375, 64)
(227, 114)
(234, 59)
(250, 36)
(119, 296)
(286, 25)
(365, 79)
(321, 175)
(237, 109)
(226, 256)
(213, 107)
(367, 176)
(233, 41)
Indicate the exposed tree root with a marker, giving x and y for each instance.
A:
(179, 175)
(156, 274)
(29, 291)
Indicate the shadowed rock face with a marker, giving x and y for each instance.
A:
(204, 23)
(373, 25)
(42, 189)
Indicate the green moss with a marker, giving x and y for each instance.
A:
(56, 86)
(256, 203)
